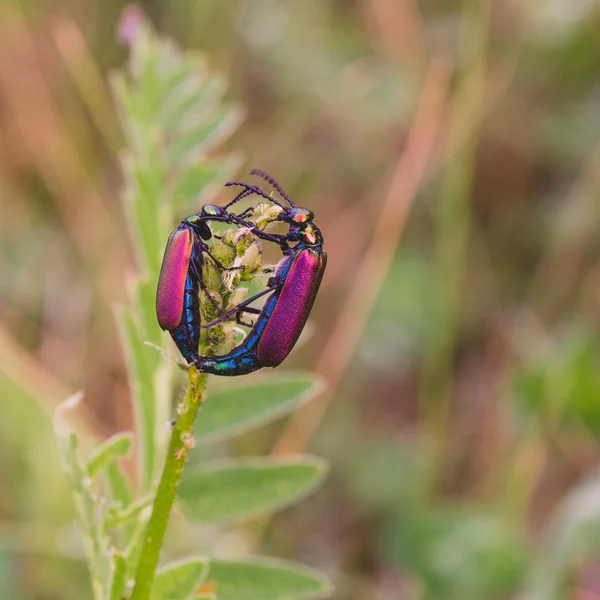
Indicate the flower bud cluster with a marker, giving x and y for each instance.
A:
(240, 251)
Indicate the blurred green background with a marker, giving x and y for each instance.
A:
(451, 153)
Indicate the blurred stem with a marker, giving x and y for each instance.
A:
(523, 476)
(181, 442)
(87, 77)
(453, 221)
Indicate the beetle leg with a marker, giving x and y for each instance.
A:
(197, 270)
(244, 304)
(250, 310)
(206, 291)
(279, 239)
(220, 264)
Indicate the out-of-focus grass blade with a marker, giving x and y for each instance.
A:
(246, 405)
(244, 488)
(8, 563)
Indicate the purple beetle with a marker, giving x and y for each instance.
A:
(293, 290)
(180, 280)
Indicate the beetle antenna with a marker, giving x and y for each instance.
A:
(251, 189)
(239, 197)
(274, 183)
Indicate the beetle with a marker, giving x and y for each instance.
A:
(180, 279)
(293, 289)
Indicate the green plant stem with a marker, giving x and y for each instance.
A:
(181, 442)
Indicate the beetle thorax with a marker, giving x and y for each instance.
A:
(310, 235)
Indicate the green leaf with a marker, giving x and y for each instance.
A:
(141, 376)
(246, 405)
(120, 486)
(440, 546)
(560, 388)
(118, 577)
(134, 547)
(248, 487)
(201, 137)
(144, 192)
(267, 579)
(145, 301)
(175, 69)
(89, 509)
(192, 97)
(126, 106)
(178, 580)
(116, 446)
(201, 182)
(129, 515)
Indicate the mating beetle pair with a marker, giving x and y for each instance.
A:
(293, 287)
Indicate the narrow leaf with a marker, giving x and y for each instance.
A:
(126, 107)
(237, 408)
(120, 486)
(116, 446)
(178, 580)
(248, 487)
(266, 579)
(118, 577)
(134, 546)
(201, 182)
(143, 394)
(142, 196)
(90, 512)
(130, 514)
(193, 97)
(210, 131)
(175, 69)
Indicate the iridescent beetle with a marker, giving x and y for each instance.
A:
(293, 286)
(180, 280)
(293, 289)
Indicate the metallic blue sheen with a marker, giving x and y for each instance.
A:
(244, 358)
(187, 334)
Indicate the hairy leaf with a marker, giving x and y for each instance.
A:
(248, 487)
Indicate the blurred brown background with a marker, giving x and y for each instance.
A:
(450, 153)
